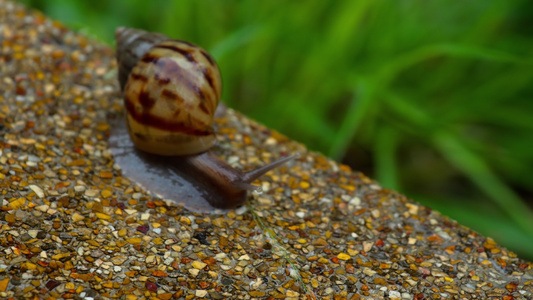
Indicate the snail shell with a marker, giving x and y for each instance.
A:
(171, 92)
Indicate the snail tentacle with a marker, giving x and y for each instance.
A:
(250, 176)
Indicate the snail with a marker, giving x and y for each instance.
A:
(171, 91)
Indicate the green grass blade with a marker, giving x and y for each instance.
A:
(362, 102)
(385, 156)
(476, 169)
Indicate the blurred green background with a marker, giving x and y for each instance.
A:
(431, 98)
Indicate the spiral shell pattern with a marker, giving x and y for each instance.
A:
(171, 92)
(132, 44)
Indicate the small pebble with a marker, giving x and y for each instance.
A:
(198, 265)
(38, 191)
(77, 217)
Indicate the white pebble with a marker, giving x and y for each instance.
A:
(37, 190)
(244, 257)
(33, 233)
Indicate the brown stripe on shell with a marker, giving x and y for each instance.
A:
(209, 79)
(146, 101)
(139, 77)
(150, 58)
(171, 95)
(203, 100)
(170, 69)
(162, 81)
(186, 53)
(176, 113)
(208, 57)
(165, 124)
(203, 108)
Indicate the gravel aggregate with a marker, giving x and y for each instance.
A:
(72, 227)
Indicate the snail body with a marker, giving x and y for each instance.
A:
(171, 92)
